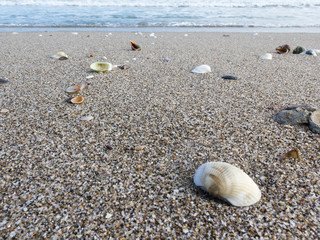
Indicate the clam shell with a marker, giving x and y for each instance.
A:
(101, 66)
(283, 49)
(201, 69)
(309, 52)
(60, 56)
(135, 47)
(267, 56)
(77, 100)
(228, 182)
(73, 89)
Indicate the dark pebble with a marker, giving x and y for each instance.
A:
(2, 81)
(229, 77)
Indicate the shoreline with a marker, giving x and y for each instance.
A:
(165, 29)
(128, 172)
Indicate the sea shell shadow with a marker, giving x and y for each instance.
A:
(202, 194)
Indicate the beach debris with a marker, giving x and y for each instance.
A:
(291, 154)
(298, 50)
(90, 56)
(74, 33)
(73, 89)
(202, 69)
(101, 66)
(60, 56)
(77, 100)
(86, 118)
(15, 33)
(108, 147)
(4, 110)
(166, 60)
(3, 81)
(89, 77)
(314, 121)
(294, 115)
(123, 67)
(229, 77)
(226, 181)
(309, 52)
(84, 85)
(135, 47)
(77, 88)
(283, 49)
(135, 148)
(267, 56)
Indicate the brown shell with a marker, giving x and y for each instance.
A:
(283, 49)
(77, 100)
(135, 47)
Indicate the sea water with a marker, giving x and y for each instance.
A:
(202, 14)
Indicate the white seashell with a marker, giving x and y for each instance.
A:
(4, 110)
(86, 118)
(73, 89)
(202, 69)
(267, 56)
(101, 66)
(312, 52)
(58, 55)
(89, 77)
(228, 182)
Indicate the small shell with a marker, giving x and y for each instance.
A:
(202, 69)
(101, 66)
(4, 110)
(135, 47)
(73, 89)
(83, 85)
(298, 50)
(283, 49)
(77, 100)
(86, 118)
(309, 52)
(60, 56)
(138, 148)
(267, 56)
(228, 182)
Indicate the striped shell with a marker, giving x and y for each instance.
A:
(228, 182)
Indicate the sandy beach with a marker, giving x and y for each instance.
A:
(128, 173)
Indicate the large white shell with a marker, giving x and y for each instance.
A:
(228, 182)
(201, 69)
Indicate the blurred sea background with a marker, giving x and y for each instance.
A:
(164, 15)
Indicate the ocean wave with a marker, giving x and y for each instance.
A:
(163, 3)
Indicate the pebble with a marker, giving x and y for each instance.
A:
(229, 77)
